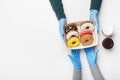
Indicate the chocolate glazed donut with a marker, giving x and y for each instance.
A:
(70, 27)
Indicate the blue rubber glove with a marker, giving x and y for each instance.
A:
(94, 17)
(62, 23)
(75, 58)
(91, 56)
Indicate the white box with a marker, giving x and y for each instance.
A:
(80, 46)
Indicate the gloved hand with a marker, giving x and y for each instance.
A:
(75, 58)
(91, 56)
(94, 17)
(62, 23)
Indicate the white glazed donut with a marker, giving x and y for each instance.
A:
(87, 26)
(107, 31)
(72, 33)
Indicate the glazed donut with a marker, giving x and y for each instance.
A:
(86, 39)
(86, 31)
(72, 33)
(70, 27)
(73, 42)
(89, 26)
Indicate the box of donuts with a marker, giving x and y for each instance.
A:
(80, 35)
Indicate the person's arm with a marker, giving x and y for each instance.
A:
(92, 58)
(95, 4)
(96, 73)
(94, 11)
(77, 74)
(57, 7)
(75, 59)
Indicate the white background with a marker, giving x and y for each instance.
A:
(31, 47)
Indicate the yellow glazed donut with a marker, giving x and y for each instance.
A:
(73, 42)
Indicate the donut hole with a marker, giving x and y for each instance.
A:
(72, 35)
(87, 27)
(86, 40)
(73, 42)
